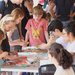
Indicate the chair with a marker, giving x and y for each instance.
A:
(47, 69)
(73, 66)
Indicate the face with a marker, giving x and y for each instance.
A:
(19, 20)
(37, 17)
(66, 36)
(9, 26)
(56, 32)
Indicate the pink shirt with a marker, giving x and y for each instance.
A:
(36, 31)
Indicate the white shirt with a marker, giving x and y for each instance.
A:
(61, 41)
(61, 71)
(71, 48)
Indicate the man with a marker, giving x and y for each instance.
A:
(63, 9)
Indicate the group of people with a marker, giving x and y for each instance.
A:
(21, 24)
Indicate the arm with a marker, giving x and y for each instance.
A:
(9, 34)
(46, 36)
(27, 37)
(29, 6)
(20, 32)
(46, 46)
(1, 51)
(51, 7)
(72, 11)
(16, 42)
(3, 55)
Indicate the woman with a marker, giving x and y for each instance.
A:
(61, 58)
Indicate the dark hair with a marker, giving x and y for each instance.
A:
(0, 11)
(63, 57)
(1, 32)
(70, 28)
(55, 24)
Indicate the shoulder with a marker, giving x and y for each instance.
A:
(60, 40)
(71, 45)
(61, 71)
(31, 20)
(44, 20)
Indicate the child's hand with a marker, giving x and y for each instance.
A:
(43, 46)
(4, 54)
(21, 43)
(52, 39)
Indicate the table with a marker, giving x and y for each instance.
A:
(31, 69)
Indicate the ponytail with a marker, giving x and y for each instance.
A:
(65, 58)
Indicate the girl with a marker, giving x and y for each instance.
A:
(13, 35)
(7, 23)
(36, 28)
(61, 58)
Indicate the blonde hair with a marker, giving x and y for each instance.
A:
(5, 20)
(17, 12)
(37, 10)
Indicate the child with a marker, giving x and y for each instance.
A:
(56, 35)
(69, 35)
(62, 59)
(14, 35)
(36, 28)
(7, 23)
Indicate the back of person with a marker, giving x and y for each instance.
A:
(61, 58)
(61, 71)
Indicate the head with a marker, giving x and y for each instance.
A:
(18, 15)
(62, 56)
(56, 26)
(69, 31)
(7, 23)
(37, 13)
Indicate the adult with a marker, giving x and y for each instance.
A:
(62, 11)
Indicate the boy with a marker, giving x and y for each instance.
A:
(55, 30)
